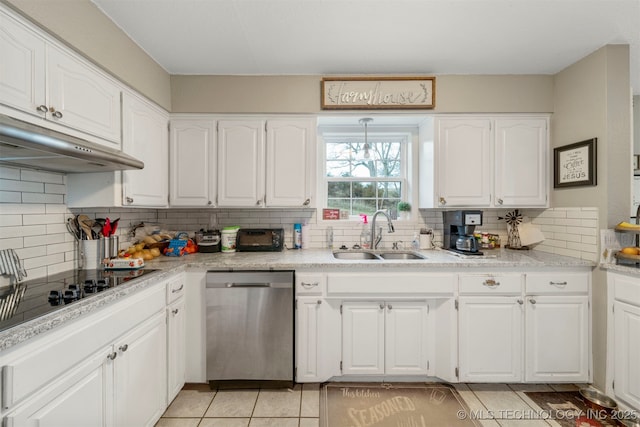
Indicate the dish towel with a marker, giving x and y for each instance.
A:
(10, 264)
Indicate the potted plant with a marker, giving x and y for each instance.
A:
(404, 208)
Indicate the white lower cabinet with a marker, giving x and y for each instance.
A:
(384, 337)
(557, 338)
(82, 398)
(176, 348)
(623, 345)
(310, 318)
(490, 339)
(140, 374)
(532, 328)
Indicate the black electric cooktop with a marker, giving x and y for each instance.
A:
(33, 298)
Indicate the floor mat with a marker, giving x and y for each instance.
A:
(569, 409)
(392, 405)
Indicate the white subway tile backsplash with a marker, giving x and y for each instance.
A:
(42, 198)
(31, 230)
(11, 185)
(43, 219)
(10, 220)
(55, 188)
(41, 176)
(22, 209)
(11, 243)
(10, 197)
(9, 173)
(47, 239)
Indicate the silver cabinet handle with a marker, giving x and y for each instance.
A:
(443, 201)
(519, 301)
(381, 306)
(552, 283)
(308, 285)
(175, 291)
(500, 201)
(128, 199)
(258, 202)
(123, 348)
(319, 302)
(209, 202)
(112, 356)
(42, 108)
(175, 311)
(57, 114)
(532, 301)
(306, 202)
(389, 306)
(491, 283)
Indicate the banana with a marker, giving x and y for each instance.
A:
(628, 225)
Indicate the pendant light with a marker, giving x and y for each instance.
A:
(365, 121)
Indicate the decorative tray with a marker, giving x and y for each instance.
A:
(627, 257)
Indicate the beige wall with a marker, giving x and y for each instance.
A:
(301, 94)
(593, 99)
(80, 24)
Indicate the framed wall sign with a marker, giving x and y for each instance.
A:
(574, 165)
(365, 93)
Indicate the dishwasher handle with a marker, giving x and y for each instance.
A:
(254, 285)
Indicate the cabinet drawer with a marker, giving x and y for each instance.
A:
(555, 283)
(490, 284)
(310, 284)
(390, 284)
(28, 368)
(626, 289)
(175, 288)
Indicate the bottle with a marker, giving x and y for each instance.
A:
(297, 236)
(365, 234)
(330, 237)
(415, 243)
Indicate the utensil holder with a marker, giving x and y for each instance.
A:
(92, 251)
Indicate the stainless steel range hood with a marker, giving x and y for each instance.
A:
(25, 145)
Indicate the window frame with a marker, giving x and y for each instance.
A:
(405, 136)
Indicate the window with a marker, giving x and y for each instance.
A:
(362, 178)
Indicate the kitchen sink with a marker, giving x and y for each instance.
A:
(401, 255)
(356, 255)
(380, 256)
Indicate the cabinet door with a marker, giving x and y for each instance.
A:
(192, 163)
(627, 353)
(289, 171)
(363, 338)
(557, 331)
(241, 163)
(464, 168)
(406, 338)
(22, 68)
(81, 98)
(140, 372)
(308, 339)
(81, 397)
(176, 348)
(490, 339)
(145, 137)
(521, 162)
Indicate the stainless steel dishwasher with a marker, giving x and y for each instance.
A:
(250, 324)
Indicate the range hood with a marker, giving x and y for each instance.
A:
(25, 145)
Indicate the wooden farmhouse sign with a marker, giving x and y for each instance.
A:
(363, 93)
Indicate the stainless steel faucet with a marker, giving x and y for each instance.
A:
(374, 240)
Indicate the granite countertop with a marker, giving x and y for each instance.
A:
(621, 268)
(308, 259)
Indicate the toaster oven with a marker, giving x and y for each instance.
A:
(260, 240)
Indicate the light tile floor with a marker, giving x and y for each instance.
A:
(504, 405)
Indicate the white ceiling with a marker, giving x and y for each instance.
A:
(393, 37)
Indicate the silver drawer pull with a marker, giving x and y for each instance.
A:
(175, 311)
(381, 306)
(112, 356)
(248, 285)
(173, 291)
(319, 302)
(308, 285)
(532, 301)
(490, 283)
(519, 301)
(124, 348)
(552, 283)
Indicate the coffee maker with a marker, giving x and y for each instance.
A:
(458, 231)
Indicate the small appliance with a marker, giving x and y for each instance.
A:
(260, 240)
(458, 231)
(208, 241)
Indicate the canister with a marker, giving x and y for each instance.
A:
(297, 236)
(228, 238)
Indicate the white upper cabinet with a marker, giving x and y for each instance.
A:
(241, 163)
(265, 163)
(44, 81)
(521, 162)
(491, 161)
(22, 69)
(145, 137)
(464, 157)
(192, 162)
(289, 160)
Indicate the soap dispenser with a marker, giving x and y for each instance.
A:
(365, 234)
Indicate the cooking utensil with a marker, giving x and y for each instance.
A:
(83, 223)
(106, 229)
(114, 226)
(72, 227)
